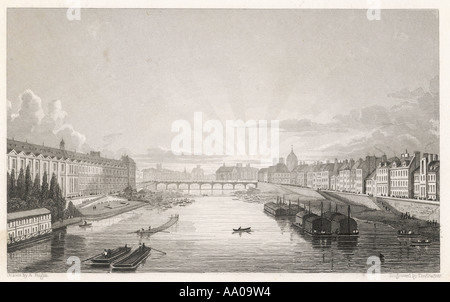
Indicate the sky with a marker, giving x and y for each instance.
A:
(340, 85)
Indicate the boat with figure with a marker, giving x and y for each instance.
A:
(421, 242)
(85, 224)
(105, 259)
(173, 219)
(407, 234)
(243, 229)
(133, 260)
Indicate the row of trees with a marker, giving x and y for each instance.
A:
(25, 194)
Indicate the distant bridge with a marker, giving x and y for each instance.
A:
(212, 184)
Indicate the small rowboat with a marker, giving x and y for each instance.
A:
(421, 242)
(408, 235)
(116, 254)
(85, 225)
(242, 229)
(133, 260)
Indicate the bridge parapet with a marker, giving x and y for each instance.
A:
(200, 183)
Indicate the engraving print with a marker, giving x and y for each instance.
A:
(222, 140)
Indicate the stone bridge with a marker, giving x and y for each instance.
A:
(212, 184)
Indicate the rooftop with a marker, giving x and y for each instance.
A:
(45, 151)
(26, 214)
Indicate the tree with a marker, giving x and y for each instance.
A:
(60, 202)
(20, 187)
(49, 204)
(44, 188)
(35, 197)
(12, 194)
(8, 186)
(52, 191)
(28, 184)
(55, 194)
(55, 201)
(72, 211)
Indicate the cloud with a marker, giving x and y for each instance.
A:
(412, 124)
(306, 127)
(32, 124)
(109, 139)
(161, 155)
(407, 94)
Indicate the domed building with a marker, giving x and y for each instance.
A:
(291, 160)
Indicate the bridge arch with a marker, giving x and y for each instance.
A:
(250, 185)
(161, 186)
(239, 186)
(171, 185)
(217, 186)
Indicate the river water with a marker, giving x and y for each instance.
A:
(203, 241)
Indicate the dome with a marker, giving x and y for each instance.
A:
(291, 160)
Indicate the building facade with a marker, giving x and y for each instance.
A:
(263, 175)
(78, 174)
(410, 176)
(28, 224)
(197, 173)
(426, 178)
(383, 176)
(238, 172)
(401, 175)
(160, 173)
(279, 174)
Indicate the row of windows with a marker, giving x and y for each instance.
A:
(398, 173)
(32, 230)
(399, 193)
(432, 188)
(13, 164)
(382, 178)
(28, 220)
(399, 183)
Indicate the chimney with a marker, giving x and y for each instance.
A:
(335, 160)
(368, 162)
(384, 158)
(430, 158)
(435, 157)
(281, 160)
(417, 156)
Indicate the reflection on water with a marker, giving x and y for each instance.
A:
(203, 241)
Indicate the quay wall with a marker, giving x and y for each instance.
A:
(417, 208)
